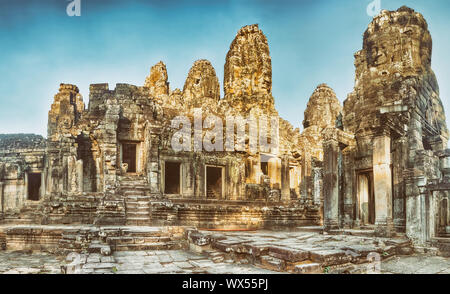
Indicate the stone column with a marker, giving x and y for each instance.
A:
(79, 168)
(306, 174)
(382, 177)
(285, 179)
(331, 184)
(317, 185)
(1, 198)
(416, 212)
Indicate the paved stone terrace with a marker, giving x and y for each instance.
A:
(245, 252)
(24, 262)
(182, 262)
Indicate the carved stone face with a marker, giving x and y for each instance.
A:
(66, 123)
(378, 54)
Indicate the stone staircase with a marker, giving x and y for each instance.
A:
(137, 210)
(110, 239)
(136, 191)
(133, 185)
(148, 238)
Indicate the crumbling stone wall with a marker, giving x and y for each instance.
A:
(20, 154)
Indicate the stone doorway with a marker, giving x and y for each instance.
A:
(129, 156)
(172, 178)
(366, 198)
(214, 182)
(443, 218)
(34, 186)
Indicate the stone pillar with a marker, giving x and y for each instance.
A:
(317, 186)
(331, 185)
(382, 176)
(399, 161)
(285, 179)
(305, 192)
(416, 212)
(1, 198)
(79, 169)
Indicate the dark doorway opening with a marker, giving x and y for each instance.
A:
(264, 159)
(265, 168)
(213, 182)
(172, 178)
(85, 153)
(366, 196)
(34, 186)
(129, 157)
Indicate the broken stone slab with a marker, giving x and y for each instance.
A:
(288, 254)
(93, 258)
(256, 249)
(308, 268)
(330, 257)
(199, 239)
(99, 265)
(273, 263)
(103, 249)
(398, 242)
(405, 251)
(230, 246)
(362, 250)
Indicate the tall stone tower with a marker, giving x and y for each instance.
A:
(398, 120)
(248, 70)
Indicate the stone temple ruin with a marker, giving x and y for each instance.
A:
(378, 163)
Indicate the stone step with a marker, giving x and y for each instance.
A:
(137, 203)
(273, 263)
(103, 249)
(137, 198)
(135, 186)
(138, 215)
(149, 246)
(132, 180)
(137, 221)
(134, 193)
(144, 232)
(308, 268)
(137, 240)
(137, 209)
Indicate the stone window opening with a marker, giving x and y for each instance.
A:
(214, 182)
(426, 144)
(172, 178)
(34, 186)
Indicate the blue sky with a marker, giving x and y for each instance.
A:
(311, 42)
